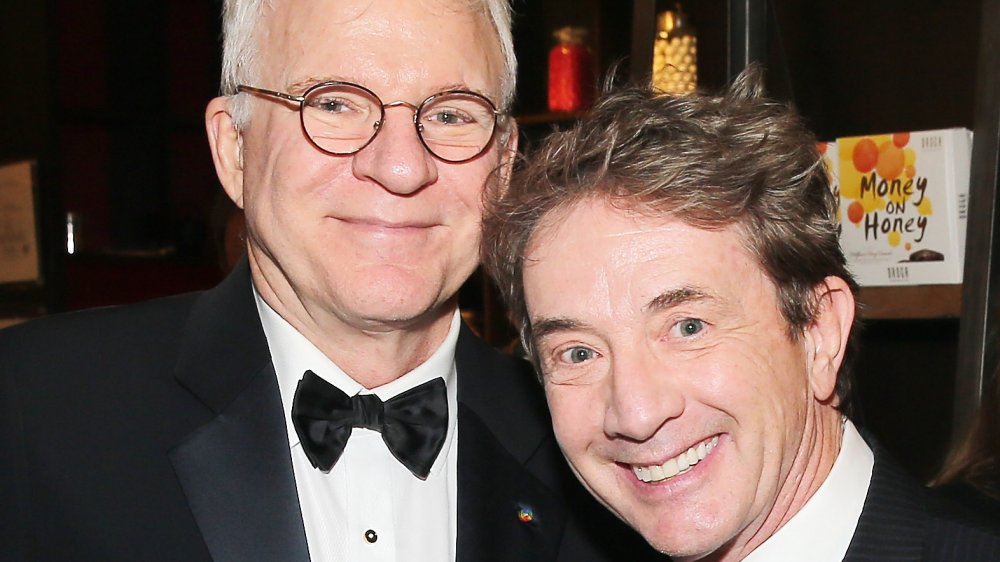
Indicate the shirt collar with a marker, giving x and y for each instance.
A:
(292, 355)
(822, 530)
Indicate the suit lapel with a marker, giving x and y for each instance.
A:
(505, 512)
(236, 469)
(893, 521)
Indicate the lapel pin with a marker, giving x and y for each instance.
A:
(525, 514)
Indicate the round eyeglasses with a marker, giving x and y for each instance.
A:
(341, 118)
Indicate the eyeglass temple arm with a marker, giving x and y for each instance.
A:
(272, 93)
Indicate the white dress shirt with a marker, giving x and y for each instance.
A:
(822, 530)
(369, 507)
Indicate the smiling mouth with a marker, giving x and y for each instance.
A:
(387, 225)
(678, 465)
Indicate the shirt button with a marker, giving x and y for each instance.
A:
(371, 536)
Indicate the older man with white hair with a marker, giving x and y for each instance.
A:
(325, 402)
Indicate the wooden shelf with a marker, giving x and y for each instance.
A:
(911, 302)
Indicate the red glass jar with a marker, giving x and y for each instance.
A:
(571, 71)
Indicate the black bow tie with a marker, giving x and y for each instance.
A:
(413, 424)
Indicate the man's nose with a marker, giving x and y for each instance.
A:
(643, 396)
(396, 158)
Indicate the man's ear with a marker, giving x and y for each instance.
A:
(227, 153)
(828, 335)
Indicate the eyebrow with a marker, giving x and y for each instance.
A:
(304, 84)
(674, 297)
(300, 86)
(465, 87)
(544, 326)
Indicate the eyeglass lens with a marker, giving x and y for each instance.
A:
(342, 119)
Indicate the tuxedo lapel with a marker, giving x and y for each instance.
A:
(893, 521)
(236, 469)
(505, 510)
(237, 476)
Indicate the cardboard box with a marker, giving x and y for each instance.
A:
(830, 157)
(903, 206)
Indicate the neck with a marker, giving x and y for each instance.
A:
(373, 352)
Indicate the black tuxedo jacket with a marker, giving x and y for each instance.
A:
(903, 521)
(156, 432)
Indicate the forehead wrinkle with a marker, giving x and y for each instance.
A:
(633, 232)
(645, 247)
(634, 251)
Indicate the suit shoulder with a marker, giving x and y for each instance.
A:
(96, 332)
(504, 392)
(497, 385)
(903, 518)
(957, 532)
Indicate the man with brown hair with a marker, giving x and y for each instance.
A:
(674, 268)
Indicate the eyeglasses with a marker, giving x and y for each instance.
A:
(341, 118)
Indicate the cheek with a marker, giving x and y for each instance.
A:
(279, 159)
(764, 393)
(462, 190)
(780, 377)
(741, 371)
(576, 416)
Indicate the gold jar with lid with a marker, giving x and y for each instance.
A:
(675, 53)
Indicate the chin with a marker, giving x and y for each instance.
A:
(693, 541)
(396, 306)
(679, 551)
(394, 295)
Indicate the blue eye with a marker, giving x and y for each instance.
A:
(332, 106)
(689, 327)
(576, 355)
(449, 117)
(335, 105)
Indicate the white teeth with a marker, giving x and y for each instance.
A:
(682, 461)
(678, 465)
(656, 473)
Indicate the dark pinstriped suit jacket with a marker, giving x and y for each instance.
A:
(904, 521)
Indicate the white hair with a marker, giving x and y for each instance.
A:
(240, 19)
(499, 15)
(240, 49)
